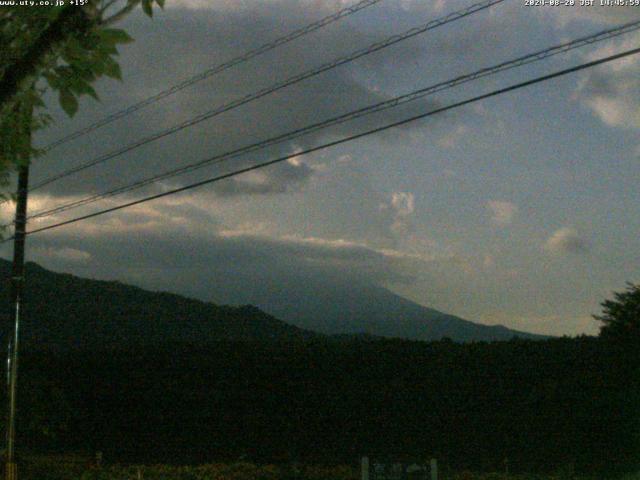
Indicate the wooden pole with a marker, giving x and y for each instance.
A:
(17, 286)
(365, 468)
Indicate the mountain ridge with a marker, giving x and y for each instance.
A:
(63, 310)
(332, 305)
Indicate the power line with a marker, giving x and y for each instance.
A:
(218, 178)
(312, 27)
(276, 87)
(381, 106)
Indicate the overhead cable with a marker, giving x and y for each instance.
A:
(261, 165)
(452, 17)
(378, 107)
(245, 57)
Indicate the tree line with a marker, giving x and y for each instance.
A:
(541, 405)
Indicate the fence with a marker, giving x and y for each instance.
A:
(376, 469)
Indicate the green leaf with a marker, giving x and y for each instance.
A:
(68, 102)
(72, 78)
(52, 80)
(89, 90)
(97, 67)
(147, 8)
(112, 69)
(160, 3)
(92, 92)
(84, 70)
(65, 73)
(73, 51)
(83, 88)
(114, 36)
(106, 49)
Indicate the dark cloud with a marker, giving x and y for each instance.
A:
(183, 243)
(182, 42)
(210, 263)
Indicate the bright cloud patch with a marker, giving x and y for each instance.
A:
(402, 206)
(610, 91)
(502, 212)
(565, 240)
(67, 254)
(403, 203)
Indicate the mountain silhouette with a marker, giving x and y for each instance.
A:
(65, 311)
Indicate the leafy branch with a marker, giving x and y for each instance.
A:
(70, 48)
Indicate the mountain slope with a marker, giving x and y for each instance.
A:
(62, 310)
(338, 306)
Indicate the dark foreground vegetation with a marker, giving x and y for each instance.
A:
(560, 403)
(55, 469)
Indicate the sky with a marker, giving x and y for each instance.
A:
(521, 210)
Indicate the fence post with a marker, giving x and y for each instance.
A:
(434, 469)
(364, 467)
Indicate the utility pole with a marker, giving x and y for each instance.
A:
(17, 285)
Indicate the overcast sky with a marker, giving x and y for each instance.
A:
(522, 210)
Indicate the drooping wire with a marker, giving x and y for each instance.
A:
(218, 178)
(378, 107)
(274, 88)
(245, 57)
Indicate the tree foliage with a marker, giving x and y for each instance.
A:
(154, 377)
(541, 404)
(64, 49)
(621, 316)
